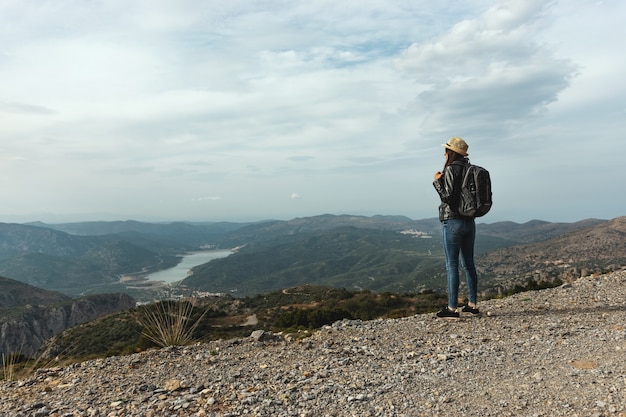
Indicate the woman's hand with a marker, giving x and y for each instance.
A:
(438, 175)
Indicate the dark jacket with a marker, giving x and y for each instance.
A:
(449, 189)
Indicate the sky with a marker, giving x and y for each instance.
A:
(242, 110)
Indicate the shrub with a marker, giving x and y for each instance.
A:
(168, 323)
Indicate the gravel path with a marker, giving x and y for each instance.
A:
(555, 352)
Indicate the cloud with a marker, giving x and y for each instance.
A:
(137, 106)
(295, 196)
(487, 71)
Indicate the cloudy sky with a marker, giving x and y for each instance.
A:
(243, 110)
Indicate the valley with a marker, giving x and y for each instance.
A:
(374, 266)
(379, 253)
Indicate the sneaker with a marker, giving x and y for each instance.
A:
(446, 313)
(468, 309)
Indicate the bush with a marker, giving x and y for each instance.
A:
(168, 323)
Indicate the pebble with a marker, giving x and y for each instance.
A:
(554, 352)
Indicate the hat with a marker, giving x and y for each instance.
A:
(457, 145)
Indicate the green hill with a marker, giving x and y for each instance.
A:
(400, 255)
(15, 294)
(349, 257)
(294, 310)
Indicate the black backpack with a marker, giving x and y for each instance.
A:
(475, 198)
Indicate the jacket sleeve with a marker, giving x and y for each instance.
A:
(448, 186)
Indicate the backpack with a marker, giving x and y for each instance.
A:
(475, 198)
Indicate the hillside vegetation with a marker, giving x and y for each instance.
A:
(17, 294)
(295, 310)
(392, 260)
(350, 257)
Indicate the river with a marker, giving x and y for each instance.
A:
(181, 271)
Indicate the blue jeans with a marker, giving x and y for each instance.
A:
(458, 238)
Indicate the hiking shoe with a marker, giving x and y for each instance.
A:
(446, 313)
(468, 309)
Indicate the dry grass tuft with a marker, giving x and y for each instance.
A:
(168, 323)
(9, 363)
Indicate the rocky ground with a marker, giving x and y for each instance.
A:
(556, 352)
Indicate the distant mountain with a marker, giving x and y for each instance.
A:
(597, 249)
(18, 239)
(67, 275)
(73, 275)
(40, 255)
(189, 235)
(534, 230)
(351, 257)
(73, 264)
(271, 230)
(15, 293)
(381, 253)
(389, 258)
(499, 234)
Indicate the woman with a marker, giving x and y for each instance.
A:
(459, 232)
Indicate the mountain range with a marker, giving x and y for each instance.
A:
(382, 254)
(51, 268)
(379, 253)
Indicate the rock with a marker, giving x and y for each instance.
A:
(546, 353)
(25, 332)
(173, 385)
(263, 336)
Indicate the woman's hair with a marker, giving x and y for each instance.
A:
(452, 156)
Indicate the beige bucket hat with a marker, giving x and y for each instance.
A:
(457, 145)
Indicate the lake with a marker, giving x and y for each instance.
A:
(181, 271)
